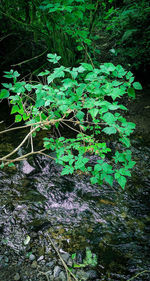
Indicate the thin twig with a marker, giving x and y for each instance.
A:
(40, 152)
(45, 273)
(23, 157)
(32, 149)
(2, 38)
(25, 61)
(70, 127)
(17, 148)
(88, 55)
(28, 125)
(64, 264)
(138, 274)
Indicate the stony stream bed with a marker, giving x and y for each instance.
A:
(42, 212)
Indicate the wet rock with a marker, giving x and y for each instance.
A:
(27, 168)
(92, 274)
(6, 259)
(32, 257)
(17, 277)
(70, 262)
(50, 264)
(34, 264)
(62, 276)
(65, 257)
(40, 258)
(57, 270)
(82, 275)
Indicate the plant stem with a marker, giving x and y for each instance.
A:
(138, 274)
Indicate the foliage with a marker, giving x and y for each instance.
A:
(59, 25)
(70, 28)
(90, 259)
(128, 25)
(85, 100)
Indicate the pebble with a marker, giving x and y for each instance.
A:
(32, 257)
(6, 259)
(62, 276)
(50, 264)
(65, 257)
(17, 277)
(40, 258)
(92, 273)
(81, 274)
(70, 262)
(57, 270)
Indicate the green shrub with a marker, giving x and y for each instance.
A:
(85, 100)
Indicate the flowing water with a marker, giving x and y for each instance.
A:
(37, 203)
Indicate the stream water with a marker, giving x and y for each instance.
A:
(38, 203)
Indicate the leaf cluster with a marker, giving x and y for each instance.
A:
(85, 100)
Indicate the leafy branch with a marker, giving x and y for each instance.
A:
(76, 99)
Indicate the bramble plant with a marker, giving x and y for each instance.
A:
(85, 100)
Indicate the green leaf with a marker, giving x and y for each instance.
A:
(110, 66)
(25, 116)
(109, 118)
(67, 170)
(93, 112)
(117, 175)
(122, 181)
(11, 165)
(131, 164)
(73, 256)
(16, 74)
(56, 74)
(79, 48)
(67, 83)
(94, 180)
(80, 115)
(7, 85)
(125, 141)
(2, 165)
(87, 66)
(129, 75)
(39, 103)
(4, 94)
(63, 108)
(98, 167)
(137, 86)
(53, 58)
(28, 87)
(18, 118)
(109, 179)
(67, 158)
(44, 73)
(113, 106)
(74, 74)
(15, 109)
(121, 71)
(131, 93)
(109, 130)
(90, 76)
